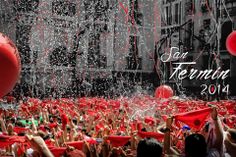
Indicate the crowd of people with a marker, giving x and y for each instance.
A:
(140, 126)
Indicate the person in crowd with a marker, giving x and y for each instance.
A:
(149, 147)
(51, 130)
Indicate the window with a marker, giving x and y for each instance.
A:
(205, 61)
(58, 56)
(26, 6)
(133, 63)
(60, 36)
(63, 8)
(206, 23)
(72, 58)
(167, 15)
(163, 31)
(102, 61)
(188, 42)
(134, 13)
(189, 6)
(35, 57)
(133, 40)
(94, 50)
(225, 64)
(204, 5)
(133, 60)
(226, 29)
(96, 10)
(88, 7)
(101, 7)
(180, 12)
(176, 14)
(22, 42)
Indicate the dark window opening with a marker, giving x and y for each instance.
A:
(22, 42)
(225, 64)
(225, 31)
(189, 7)
(26, 6)
(207, 23)
(133, 60)
(204, 6)
(176, 20)
(63, 8)
(35, 57)
(97, 10)
(94, 51)
(135, 15)
(58, 56)
(188, 40)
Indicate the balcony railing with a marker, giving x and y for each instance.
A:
(231, 11)
(133, 63)
(189, 7)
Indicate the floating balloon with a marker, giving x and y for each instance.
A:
(9, 65)
(164, 91)
(231, 43)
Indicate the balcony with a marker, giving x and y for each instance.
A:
(229, 1)
(133, 63)
(204, 7)
(62, 8)
(102, 61)
(189, 8)
(231, 12)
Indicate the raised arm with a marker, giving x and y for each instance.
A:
(218, 129)
(230, 147)
(168, 150)
(167, 136)
(38, 145)
(34, 128)
(3, 125)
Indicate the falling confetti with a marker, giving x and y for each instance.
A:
(107, 48)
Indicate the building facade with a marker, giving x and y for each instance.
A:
(68, 47)
(199, 27)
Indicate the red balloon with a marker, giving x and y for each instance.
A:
(231, 43)
(164, 91)
(9, 65)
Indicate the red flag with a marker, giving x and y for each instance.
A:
(133, 126)
(57, 151)
(117, 141)
(49, 143)
(164, 117)
(52, 125)
(90, 140)
(230, 123)
(222, 113)
(42, 128)
(149, 120)
(99, 126)
(19, 129)
(9, 140)
(75, 153)
(76, 144)
(194, 119)
(139, 126)
(20, 150)
(64, 120)
(156, 135)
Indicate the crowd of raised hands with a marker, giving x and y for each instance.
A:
(68, 130)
